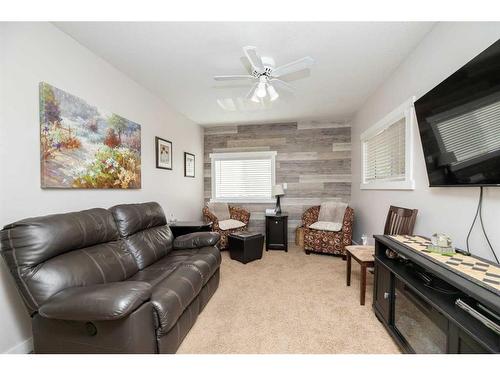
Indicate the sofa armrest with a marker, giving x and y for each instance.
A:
(109, 301)
(347, 225)
(196, 240)
(209, 216)
(310, 216)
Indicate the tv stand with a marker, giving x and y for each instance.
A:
(416, 301)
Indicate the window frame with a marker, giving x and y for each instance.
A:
(242, 156)
(404, 111)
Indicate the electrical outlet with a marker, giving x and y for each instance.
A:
(285, 185)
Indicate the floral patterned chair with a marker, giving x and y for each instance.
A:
(320, 241)
(236, 213)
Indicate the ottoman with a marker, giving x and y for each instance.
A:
(245, 246)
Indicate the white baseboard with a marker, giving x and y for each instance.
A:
(24, 347)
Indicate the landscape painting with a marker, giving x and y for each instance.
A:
(84, 147)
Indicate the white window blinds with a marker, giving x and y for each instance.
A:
(466, 144)
(384, 154)
(242, 176)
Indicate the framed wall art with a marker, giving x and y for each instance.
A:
(163, 153)
(84, 147)
(189, 161)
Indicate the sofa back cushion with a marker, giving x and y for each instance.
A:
(144, 230)
(50, 253)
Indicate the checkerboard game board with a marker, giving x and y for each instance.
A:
(476, 270)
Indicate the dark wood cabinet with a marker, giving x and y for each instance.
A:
(421, 317)
(277, 232)
(382, 292)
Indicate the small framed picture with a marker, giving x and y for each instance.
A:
(188, 165)
(163, 153)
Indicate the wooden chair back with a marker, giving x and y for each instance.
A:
(400, 221)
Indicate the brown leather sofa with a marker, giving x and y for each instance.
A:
(110, 281)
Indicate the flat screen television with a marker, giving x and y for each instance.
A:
(459, 124)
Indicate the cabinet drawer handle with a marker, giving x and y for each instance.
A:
(386, 295)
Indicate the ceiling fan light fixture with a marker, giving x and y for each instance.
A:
(254, 97)
(273, 95)
(261, 90)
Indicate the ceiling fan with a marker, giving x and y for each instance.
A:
(266, 76)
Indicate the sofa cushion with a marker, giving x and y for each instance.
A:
(231, 224)
(326, 225)
(109, 301)
(144, 230)
(37, 239)
(149, 245)
(206, 259)
(173, 294)
(220, 210)
(159, 270)
(332, 211)
(132, 218)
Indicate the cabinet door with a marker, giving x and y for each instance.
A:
(382, 291)
(276, 233)
(460, 342)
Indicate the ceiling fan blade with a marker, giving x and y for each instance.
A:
(292, 67)
(254, 58)
(278, 83)
(252, 90)
(233, 77)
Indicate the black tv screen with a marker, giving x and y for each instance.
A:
(459, 124)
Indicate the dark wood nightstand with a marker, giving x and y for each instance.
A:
(277, 232)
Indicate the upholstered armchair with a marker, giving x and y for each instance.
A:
(236, 213)
(321, 241)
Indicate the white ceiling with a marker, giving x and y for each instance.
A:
(178, 60)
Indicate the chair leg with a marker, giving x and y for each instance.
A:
(307, 252)
(348, 271)
(362, 289)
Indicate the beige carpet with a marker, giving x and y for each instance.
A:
(288, 303)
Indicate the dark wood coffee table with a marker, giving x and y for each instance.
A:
(185, 227)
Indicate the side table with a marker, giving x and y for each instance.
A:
(364, 256)
(185, 227)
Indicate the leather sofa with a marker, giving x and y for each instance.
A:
(110, 281)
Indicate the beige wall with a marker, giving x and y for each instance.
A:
(313, 158)
(446, 48)
(34, 52)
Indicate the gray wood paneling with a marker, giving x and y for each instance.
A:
(313, 158)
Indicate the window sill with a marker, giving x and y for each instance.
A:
(388, 185)
(243, 200)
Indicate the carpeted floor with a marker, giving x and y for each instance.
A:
(288, 303)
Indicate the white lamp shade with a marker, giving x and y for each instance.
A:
(278, 190)
(273, 95)
(261, 90)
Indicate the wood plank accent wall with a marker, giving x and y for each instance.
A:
(313, 158)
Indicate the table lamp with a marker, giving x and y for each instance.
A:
(277, 192)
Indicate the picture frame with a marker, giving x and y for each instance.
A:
(164, 153)
(189, 165)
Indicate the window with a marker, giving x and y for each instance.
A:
(387, 151)
(243, 176)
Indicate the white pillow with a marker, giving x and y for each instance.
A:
(230, 224)
(326, 225)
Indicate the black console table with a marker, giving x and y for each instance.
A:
(185, 227)
(277, 232)
(416, 300)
